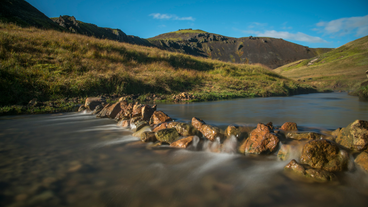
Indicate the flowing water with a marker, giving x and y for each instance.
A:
(75, 159)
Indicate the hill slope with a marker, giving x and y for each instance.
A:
(342, 68)
(24, 14)
(271, 52)
(50, 65)
(79, 27)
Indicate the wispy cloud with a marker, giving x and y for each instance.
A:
(343, 26)
(170, 17)
(299, 36)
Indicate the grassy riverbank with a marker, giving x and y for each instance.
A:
(53, 66)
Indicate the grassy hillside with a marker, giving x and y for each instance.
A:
(24, 14)
(340, 69)
(51, 65)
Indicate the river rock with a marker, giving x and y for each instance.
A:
(289, 126)
(354, 136)
(307, 135)
(184, 129)
(260, 140)
(97, 109)
(308, 172)
(197, 123)
(362, 161)
(148, 137)
(140, 124)
(159, 117)
(137, 109)
(239, 132)
(147, 112)
(141, 130)
(167, 135)
(92, 102)
(290, 150)
(212, 132)
(124, 123)
(161, 126)
(81, 108)
(182, 143)
(324, 154)
(110, 111)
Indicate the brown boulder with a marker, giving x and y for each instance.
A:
(159, 117)
(362, 161)
(92, 102)
(354, 136)
(124, 123)
(324, 154)
(197, 123)
(110, 111)
(147, 112)
(182, 143)
(317, 175)
(260, 140)
(161, 126)
(289, 126)
(239, 132)
(137, 109)
(184, 129)
(211, 132)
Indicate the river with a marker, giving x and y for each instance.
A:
(75, 159)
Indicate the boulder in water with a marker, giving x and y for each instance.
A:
(167, 135)
(289, 126)
(324, 154)
(290, 150)
(182, 143)
(161, 126)
(362, 161)
(148, 137)
(110, 111)
(239, 132)
(184, 129)
(354, 136)
(197, 123)
(260, 140)
(159, 117)
(147, 112)
(305, 135)
(92, 102)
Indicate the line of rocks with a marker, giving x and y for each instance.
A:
(320, 155)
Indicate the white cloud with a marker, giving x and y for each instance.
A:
(343, 26)
(170, 16)
(299, 36)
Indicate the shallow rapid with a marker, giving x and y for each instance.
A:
(76, 159)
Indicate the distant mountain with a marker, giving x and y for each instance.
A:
(271, 52)
(79, 27)
(343, 68)
(24, 14)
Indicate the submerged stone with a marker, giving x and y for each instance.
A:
(306, 171)
(324, 154)
(290, 150)
(148, 137)
(260, 140)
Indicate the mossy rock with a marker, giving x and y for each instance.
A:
(167, 135)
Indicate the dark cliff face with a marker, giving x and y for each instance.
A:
(24, 14)
(78, 27)
(271, 52)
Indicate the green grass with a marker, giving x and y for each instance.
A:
(184, 31)
(342, 68)
(52, 66)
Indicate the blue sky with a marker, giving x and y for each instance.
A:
(310, 23)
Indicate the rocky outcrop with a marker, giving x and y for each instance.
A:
(110, 111)
(354, 136)
(362, 161)
(317, 175)
(159, 117)
(324, 154)
(182, 143)
(208, 131)
(261, 140)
